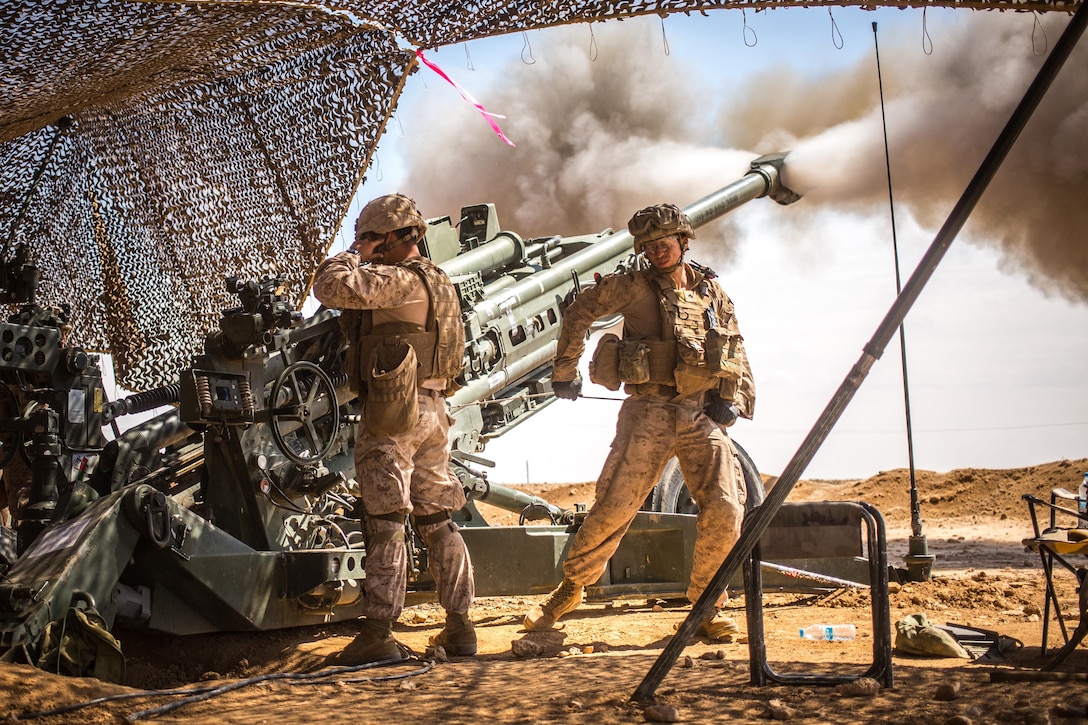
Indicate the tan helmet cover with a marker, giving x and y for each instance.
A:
(657, 222)
(388, 214)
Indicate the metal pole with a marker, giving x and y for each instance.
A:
(760, 519)
(919, 561)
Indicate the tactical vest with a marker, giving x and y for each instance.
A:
(439, 346)
(694, 351)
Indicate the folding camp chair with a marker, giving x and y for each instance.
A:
(1060, 544)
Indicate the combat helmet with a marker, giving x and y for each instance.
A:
(659, 221)
(390, 213)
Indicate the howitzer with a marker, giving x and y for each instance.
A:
(235, 508)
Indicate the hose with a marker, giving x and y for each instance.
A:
(199, 694)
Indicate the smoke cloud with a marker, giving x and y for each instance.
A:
(598, 140)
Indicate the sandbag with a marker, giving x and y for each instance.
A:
(79, 644)
(915, 635)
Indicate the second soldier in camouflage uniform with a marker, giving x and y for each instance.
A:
(683, 364)
(403, 321)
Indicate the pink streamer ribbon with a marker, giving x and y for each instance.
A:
(488, 116)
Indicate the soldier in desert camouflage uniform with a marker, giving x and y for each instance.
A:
(397, 304)
(683, 364)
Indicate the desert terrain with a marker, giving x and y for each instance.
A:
(588, 668)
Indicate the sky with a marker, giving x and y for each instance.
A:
(614, 116)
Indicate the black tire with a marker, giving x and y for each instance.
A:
(671, 495)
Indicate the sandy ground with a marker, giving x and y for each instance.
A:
(588, 668)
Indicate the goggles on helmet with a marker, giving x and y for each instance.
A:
(659, 245)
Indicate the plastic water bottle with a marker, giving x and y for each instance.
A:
(1082, 501)
(829, 632)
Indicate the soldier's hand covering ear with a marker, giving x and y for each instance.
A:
(567, 389)
(721, 411)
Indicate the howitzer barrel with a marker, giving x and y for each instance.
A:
(763, 179)
(501, 251)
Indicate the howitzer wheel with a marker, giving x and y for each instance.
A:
(306, 382)
(671, 494)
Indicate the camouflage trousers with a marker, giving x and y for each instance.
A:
(649, 431)
(404, 475)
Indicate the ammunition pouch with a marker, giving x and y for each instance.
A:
(391, 406)
(604, 367)
(722, 354)
(636, 362)
(691, 380)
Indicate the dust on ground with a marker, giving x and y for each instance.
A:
(588, 668)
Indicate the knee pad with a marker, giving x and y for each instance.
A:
(435, 529)
(381, 529)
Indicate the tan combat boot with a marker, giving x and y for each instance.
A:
(564, 598)
(374, 643)
(718, 627)
(458, 637)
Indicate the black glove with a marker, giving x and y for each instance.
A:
(567, 389)
(721, 411)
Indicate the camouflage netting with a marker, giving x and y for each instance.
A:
(149, 150)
